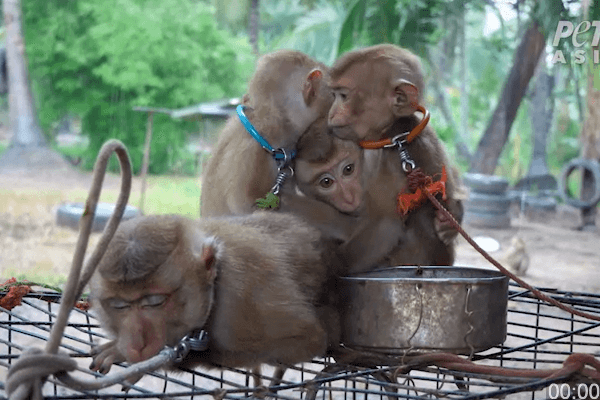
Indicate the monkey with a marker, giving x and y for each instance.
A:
(288, 92)
(329, 169)
(516, 257)
(379, 107)
(288, 97)
(256, 283)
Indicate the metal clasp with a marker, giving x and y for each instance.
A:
(284, 169)
(195, 341)
(399, 141)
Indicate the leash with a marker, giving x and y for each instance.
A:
(282, 158)
(418, 182)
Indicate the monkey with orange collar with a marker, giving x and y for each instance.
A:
(378, 113)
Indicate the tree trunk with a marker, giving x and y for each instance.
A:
(542, 111)
(496, 134)
(28, 147)
(254, 16)
(590, 139)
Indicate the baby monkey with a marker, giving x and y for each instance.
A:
(255, 283)
(331, 170)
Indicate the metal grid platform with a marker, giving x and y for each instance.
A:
(540, 336)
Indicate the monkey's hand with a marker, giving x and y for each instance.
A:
(104, 356)
(444, 228)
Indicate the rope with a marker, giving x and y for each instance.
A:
(574, 363)
(506, 272)
(27, 374)
(418, 179)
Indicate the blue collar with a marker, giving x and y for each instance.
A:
(278, 154)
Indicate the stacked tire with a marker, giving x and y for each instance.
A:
(488, 204)
(69, 215)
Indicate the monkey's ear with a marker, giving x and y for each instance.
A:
(208, 258)
(311, 85)
(405, 98)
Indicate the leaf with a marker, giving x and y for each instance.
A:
(352, 25)
(269, 201)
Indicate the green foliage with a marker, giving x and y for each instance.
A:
(411, 24)
(516, 155)
(312, 31)
(563, 142)
(167, 194)
(269, 201)
(99, 59)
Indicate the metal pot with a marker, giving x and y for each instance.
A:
(404, 310)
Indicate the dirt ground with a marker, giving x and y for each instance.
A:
(32, 243)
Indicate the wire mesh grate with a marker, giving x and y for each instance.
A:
(540, 336)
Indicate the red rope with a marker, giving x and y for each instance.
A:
(420, 184)
(576, 362)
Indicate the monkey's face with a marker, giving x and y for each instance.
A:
(145, 318)
(367, 101)
(337, 182)
(360, 110)
(154, 285)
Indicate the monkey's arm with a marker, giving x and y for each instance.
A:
(332, 223)
(372, 243)
(443, 227)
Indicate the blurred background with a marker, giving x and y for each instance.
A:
(512, 90)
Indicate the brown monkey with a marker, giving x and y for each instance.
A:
(286, 95)
(255, 283)
(329, 169)
(383, 106)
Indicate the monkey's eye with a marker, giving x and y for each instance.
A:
(118, 304)
(326, 182)
(348, 169)
(154, 300)
(342, 95)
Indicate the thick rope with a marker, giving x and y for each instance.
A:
(27, 374)
(574, 363)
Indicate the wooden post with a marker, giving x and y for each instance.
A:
(146, 159)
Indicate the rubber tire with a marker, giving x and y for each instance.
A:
(69, 215)
(591, 165)
(485, 184)
(539, 203)
(487, 203)
(484, 220)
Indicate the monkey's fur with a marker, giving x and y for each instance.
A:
(257, 284)
(383, 106)
(286, 95)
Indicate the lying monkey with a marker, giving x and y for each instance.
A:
(255, 283)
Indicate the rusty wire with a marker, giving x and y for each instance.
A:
(540, 337)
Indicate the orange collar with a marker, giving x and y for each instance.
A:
(410, 136)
